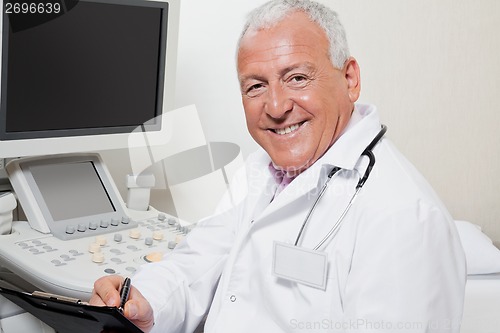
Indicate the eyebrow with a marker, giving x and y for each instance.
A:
(308, 66)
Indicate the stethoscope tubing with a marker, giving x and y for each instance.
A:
(334, 172)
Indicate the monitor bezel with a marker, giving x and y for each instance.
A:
(87, 140)
(38, 212)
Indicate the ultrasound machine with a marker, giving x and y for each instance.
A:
(79, 77)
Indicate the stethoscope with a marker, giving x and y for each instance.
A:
(333, 231)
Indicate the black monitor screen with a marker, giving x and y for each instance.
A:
(96, 68)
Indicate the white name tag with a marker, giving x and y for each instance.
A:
(300, 265)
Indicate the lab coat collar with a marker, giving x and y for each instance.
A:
(345, 152)
(363, 126)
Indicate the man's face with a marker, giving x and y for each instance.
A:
(296, 103)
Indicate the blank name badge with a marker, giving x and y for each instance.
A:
(300, 265)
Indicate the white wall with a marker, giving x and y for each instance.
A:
(432, 68)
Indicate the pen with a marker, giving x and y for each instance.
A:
(124, 293)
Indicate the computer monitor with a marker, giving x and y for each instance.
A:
(81, 75)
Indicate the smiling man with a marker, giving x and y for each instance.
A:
(296, 254)
(297, 103)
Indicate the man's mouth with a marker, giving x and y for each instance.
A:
(287, 130)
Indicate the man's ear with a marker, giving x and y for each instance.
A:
(353, 79)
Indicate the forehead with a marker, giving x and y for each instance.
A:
(295, 36)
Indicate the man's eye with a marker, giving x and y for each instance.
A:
(298, 79)
(255, 89)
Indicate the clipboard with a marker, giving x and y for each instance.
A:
(70, 315)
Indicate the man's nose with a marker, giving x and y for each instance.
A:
(278, 102)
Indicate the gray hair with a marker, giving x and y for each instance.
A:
(273, 12)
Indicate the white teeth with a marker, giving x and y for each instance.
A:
(286, 130)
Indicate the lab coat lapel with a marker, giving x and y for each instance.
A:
(261, 186)
(302, 185)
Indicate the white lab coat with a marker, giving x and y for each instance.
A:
(395, 265)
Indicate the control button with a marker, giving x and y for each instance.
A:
(232, 298)
(162, 217)
(148, 241)
(70, 229)
(109, 271)
(65, 257)
(33, 250)
(101, 240)
(114, 222)
(82, 227)
(94, 247)
(130, 269)
(48, 248)
(125, 220)
(56, 262)
(116, 260)
(98, 257)
(75, 253)
(132, 247)
(115, 251)
(157, 235)
(171, 221)
(117, 237)
(171, 245)
(135, 234)
(93, 225)
(154, 257)
(104, 224)
(37, 242)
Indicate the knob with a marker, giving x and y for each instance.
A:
(148, 241)
(158, 235)
(114, 222)
(117, 237)
(125, 220)
(98, 257)
(154, 257)
(82, 227)
(179, 238)
(70, 229)
(162, 217)
(94, 248)
(171, 245)
(134, 233)
(101, 240)
(93, 225)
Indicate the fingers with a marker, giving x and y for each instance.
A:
(139, 311)
(106, 291)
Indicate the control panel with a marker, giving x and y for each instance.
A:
(70, 268)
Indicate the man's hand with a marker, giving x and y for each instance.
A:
(137, 309)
